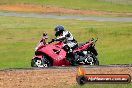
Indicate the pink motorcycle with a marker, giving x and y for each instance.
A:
(47, 55)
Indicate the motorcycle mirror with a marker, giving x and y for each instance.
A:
(91, 39)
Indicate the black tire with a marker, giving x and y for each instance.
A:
(96, 62)
(33, 63)
(47, 60)
(91, 56)
(44, 62)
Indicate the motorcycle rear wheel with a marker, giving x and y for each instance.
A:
(91, 57)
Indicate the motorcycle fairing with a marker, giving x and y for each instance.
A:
(56, 53)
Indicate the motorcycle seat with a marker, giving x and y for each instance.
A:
(78, 46)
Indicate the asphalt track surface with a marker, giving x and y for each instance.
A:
(54, 77)
(34, 15)
(70, 67)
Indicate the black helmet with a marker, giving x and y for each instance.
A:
(59, 29)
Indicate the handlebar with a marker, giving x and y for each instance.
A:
(50, 41)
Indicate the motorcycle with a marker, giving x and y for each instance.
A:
(47, 54)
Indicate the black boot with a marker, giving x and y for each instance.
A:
(72, 59)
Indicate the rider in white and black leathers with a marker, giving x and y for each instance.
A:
(67, 38)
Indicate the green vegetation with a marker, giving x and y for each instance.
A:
(119, 1)
(104, 86)
(19, 36)
(77, 4)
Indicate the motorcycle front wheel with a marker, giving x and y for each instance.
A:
(44, 62)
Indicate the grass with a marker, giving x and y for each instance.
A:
(104, 86)
(77, 4)
(119, 1)
(19, 36)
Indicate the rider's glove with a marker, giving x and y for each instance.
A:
(53, 40)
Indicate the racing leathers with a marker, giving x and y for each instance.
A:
(68, 40)
(69, 43)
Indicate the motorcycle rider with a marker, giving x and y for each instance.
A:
(69, 42)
